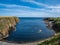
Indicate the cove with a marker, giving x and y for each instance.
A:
(29, 30)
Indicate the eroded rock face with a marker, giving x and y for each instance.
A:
(6, 25)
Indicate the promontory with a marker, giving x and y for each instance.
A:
(7, 24)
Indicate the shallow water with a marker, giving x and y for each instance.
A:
(30, 29)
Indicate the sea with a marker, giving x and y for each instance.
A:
(30, 29)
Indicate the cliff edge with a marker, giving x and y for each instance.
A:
(55, 39)
(7, 24)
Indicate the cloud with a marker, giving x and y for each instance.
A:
(25, 11)
(58, 6)
(41, 4)
(34, 2)
(13, 6)
(48, 8)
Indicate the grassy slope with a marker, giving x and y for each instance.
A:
(52, 41)
(56, 39)
(6, 23)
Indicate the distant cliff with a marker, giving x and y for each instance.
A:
(54, 23)
(54, 40)
(7, 24)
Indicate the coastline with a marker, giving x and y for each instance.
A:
(27, 43)
(55, 40)
(7, 24)
(35, 43)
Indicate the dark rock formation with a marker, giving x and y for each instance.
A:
(55, 23)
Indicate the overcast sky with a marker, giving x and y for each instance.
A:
(30, 8)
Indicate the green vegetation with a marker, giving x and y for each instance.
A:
(56, 23)
(56, 38)
(53, 41)
(57, 20)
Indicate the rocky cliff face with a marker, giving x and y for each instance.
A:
(6, 25)
(54, 23)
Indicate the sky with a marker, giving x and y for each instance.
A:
(30, 8)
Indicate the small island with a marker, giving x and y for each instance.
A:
(52, 23)
(7, 24)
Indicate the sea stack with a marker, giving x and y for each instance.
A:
(7, 24)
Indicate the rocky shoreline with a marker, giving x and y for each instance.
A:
(54, 40)
(7, 24)
(51, 24)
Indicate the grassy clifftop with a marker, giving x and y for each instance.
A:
(57, 20)
(56, 38)
(7, 23)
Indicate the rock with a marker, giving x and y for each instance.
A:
(6, 25)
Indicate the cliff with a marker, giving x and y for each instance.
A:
(54, 23)
(54, 40)
(7, 24)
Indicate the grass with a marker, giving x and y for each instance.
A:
(57, 20)
(56, 39)
(53, 41)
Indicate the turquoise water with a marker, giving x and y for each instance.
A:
(30, 29)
